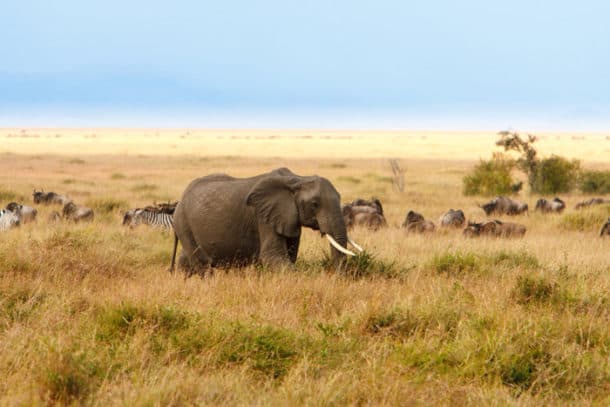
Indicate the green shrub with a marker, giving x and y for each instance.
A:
(555, 175)
(530, 290)
(455, 263)
(595, 182)
(590, 220)
(490, 178)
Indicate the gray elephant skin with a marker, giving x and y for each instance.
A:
(225, 221)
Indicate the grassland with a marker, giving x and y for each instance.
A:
(89, 314)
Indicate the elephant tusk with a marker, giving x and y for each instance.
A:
(337, 246)
(356, 245)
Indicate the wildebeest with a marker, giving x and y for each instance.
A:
(8, 220)
(25, 213)
(546, 206)
(453, 218)
(364, 213)
(494, 228)
(48, 198)
(605, 229)
(591, 202)
(77, 213)
(54, 217)
(415, 223)
(502, 205)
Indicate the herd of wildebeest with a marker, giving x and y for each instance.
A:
(361, 212)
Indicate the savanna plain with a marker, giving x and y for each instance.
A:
(90, 315)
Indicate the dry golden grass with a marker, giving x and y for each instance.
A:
(89, 314)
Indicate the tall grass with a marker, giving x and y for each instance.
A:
(89, 314)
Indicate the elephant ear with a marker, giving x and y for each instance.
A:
(274, 202)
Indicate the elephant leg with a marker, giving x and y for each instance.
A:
(192, 258)
(275, 249)
(292, 243)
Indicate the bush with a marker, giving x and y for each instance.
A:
(555, 174)
(490, 177)
(455, 263)
(585, 221)
(595, 182)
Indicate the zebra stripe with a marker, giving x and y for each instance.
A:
(154, 219)
(8, 220)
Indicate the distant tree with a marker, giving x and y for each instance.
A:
(528, 160)
(545, 176)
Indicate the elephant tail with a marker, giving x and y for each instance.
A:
(173, 263)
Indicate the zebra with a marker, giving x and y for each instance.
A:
(8, 220)
(152, 216)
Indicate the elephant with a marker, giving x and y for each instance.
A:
(453, 218)
(364, 213)
(77, 213)
(605, 229)
(494, 228)
(502, 205)
(47, 198)
(546, 206)
(25, 213)
(222, 221)
(415, 222)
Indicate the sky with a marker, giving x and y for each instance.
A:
(280, 63)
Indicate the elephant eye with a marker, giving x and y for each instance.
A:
(314, 205)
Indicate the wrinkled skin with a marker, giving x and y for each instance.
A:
(494, 228)
(591, 202)
(415, 223)
(364, 213)
(77, 213)
(605, 229)
(25, 213)
(546, 206)
(502, 205)
(227, 221)
(453, 218)
(49, 198)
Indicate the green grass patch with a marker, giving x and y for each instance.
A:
(107, 205)
(519, 260)
(8, 196)
(585, 220)
(455, 263)
(144, 188)
(534, 290)
(117, 176)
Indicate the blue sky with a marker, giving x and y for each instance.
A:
(404, 64)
